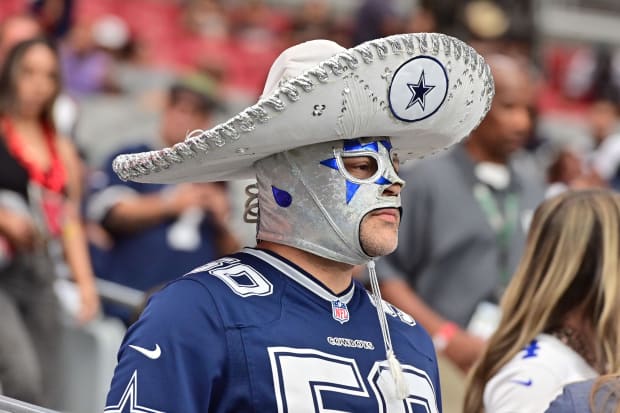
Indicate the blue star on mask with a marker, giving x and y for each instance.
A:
(418, 92)
(355, 145)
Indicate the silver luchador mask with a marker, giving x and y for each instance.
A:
(310, 199)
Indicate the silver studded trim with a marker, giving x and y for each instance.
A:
(423, 43)
(395, 45)
(320, 73)
(200, 142)
(350, 59)
(407, 40)
(365, 52)
(445, 40)
(245, 122)
(290, 91)
(434, 45)
(380, 47)
(334, 64)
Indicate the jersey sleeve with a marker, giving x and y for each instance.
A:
(172, 359)
(108, 189)
(521, 390)
(436, 384)
(563, 404)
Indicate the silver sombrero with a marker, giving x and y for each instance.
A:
(425, 91)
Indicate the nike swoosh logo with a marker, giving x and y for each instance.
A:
(152, 354)
(526, 383)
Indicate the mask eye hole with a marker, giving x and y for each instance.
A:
(360, 167)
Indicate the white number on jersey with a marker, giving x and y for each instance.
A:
(301, 376)
(243, 279)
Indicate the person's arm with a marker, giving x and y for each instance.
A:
(460, 347)
(127, 211)
(126, 207)
(74, 238)
(18, 229)
(136, 212)
(175, 354)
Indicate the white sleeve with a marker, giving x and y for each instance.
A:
(516, 390)
(101, 202)
(607, 158)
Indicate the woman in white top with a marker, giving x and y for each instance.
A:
(561, 311)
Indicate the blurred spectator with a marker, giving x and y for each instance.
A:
(112, 34)
(593, 163)
(458, 257)
(568, 170)
(560, 312)
(314, 20)
(15, 29)
(605, 156)
(40, 179)
(208, 18)
(606, 161)
(375, 19)
(448, 15)
(421, 20)
(259, 34)
(603, 120)
(22, 27)
(591, 74)
(159, 232)
(54, 15)
(255, 20)
(86, 68)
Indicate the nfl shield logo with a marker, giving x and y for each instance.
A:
(340, 312)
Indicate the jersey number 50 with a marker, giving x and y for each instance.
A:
(302, 376)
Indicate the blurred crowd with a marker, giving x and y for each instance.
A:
(82, 81)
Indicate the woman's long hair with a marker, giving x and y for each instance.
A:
(10, 72)
(571, 260)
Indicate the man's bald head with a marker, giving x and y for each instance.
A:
(507, 125)
(507, 71)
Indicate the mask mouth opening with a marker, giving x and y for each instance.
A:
(359, 227)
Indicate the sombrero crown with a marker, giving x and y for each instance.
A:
(425, 91)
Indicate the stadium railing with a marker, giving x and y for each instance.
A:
(9, 405)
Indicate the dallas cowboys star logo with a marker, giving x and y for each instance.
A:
(419, 91)
(129, 399)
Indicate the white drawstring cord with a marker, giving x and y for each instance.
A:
(394, 365)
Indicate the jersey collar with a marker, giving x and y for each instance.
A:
(300, 276)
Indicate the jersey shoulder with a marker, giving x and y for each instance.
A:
(245, 289)
(404, 329)
(548, 353)
(535, 375)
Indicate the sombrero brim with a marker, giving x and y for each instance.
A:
(426, 91)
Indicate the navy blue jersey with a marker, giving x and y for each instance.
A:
(255, 333)
(126, 263)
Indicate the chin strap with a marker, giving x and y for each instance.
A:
(394, 365)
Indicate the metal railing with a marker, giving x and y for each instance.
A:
(119, 294)
(9, 405)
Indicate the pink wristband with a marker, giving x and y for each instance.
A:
(444, 335)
